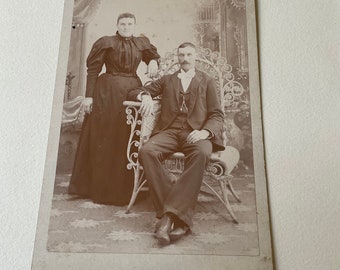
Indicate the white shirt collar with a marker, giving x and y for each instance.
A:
(192, 71)
(186, 75)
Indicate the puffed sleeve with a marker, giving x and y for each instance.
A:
(149, 51)
(94, 64)
(150, 54)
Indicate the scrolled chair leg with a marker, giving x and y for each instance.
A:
(226, 203)
(224, 198)
(131, 203)
(137, 186)
(232, 190)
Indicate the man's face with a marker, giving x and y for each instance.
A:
(186, 57)
(126, 27)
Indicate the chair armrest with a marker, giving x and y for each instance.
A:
(228, 158)
(132, 103)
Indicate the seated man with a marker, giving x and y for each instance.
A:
(191, 122)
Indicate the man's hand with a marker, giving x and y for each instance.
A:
(197, 135)
(152, 68)
(87, 103)
(146, 107)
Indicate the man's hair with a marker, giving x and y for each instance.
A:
(186, 44)
(126, 15)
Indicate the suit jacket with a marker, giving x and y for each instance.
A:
(204, 110)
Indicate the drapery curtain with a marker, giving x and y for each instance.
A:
(73, 114)
(84, 10)
(82, 13)
(75, 62)
(240, 4)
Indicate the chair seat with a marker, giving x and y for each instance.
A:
(177, 155)
(213, 160)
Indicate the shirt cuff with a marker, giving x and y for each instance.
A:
(139, 97)
(211, 134)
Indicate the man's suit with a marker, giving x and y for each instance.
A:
(203, 111)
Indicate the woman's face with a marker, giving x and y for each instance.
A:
(126, 27)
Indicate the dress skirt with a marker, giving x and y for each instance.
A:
(100, 169)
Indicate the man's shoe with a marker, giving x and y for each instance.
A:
(158, 223)
(178, 232)
(163, 230)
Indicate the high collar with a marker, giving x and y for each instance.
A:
(123, 38)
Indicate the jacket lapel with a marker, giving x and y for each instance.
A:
(176, 82)
(193, 88)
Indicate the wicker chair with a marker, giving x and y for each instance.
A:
(221, 163)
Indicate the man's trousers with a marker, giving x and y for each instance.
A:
(179, 198)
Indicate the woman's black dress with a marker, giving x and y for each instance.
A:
(100, 171)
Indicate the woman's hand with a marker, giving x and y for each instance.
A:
(87, 103)
(146, 107)
(152, 68)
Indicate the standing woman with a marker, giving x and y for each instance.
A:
(99, 170)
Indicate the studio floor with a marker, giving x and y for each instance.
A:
(79, 225)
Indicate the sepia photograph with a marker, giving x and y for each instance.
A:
(145, 134)
(156, 144)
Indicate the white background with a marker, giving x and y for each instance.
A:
(299, 45)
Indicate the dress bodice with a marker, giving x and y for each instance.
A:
(119, 55)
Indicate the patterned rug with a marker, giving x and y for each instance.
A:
(79, 225)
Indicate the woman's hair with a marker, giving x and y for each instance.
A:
(126, 15)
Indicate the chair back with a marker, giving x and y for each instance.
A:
(214, 65)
